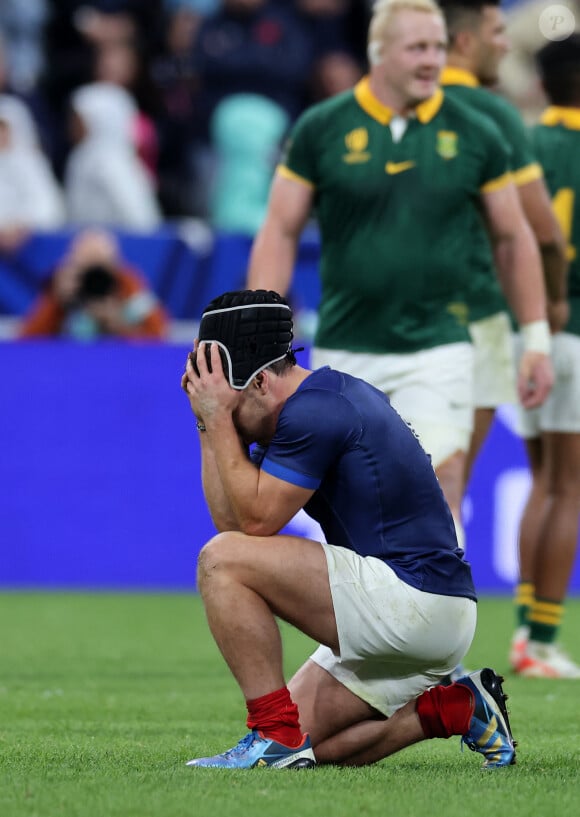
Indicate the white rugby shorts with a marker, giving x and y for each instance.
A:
(395, 641)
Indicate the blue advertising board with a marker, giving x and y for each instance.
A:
(100, 474)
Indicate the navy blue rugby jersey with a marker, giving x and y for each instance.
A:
(375, 488)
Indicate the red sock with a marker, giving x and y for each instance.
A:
(445, 711)
(275, 715)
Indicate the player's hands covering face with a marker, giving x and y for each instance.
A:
(209, 392)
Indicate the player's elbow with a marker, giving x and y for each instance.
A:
(259, 525)
(547, 230)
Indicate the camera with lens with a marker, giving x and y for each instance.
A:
(97, 282)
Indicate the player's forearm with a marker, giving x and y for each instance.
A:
(237, 474)
(555, 271)
(272, 259)
(217, 502)
(520, 272)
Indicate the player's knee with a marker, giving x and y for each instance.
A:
(218, 557)
(566, 490)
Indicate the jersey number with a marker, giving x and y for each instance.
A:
(563, 203)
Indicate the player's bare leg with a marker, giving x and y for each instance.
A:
(531, 524)
(483, 420)
(347, 731)
(556, 551)
(535, 508)
(450, 475)
(245, 581)
(553, 558)
(343, 728)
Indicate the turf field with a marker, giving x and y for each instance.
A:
(103, 697)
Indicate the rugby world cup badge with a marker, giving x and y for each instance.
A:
(356, 142)
(447, 144)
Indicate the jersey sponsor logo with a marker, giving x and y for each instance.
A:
(447, 144)
(356, 143)
(398, 167)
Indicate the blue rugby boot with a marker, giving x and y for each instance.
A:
(489, 730)
(254, 750)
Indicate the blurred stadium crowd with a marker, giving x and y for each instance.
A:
(155, 73)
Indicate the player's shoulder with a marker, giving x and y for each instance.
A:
(504, 113)
(323, 403)
(468, 118)
(328, 109)
(327, 386)
(555, 144)
(485, 100)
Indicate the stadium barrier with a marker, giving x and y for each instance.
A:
(100, 474)
(185, 264)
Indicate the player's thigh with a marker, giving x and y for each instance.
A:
(290, 573)
(482, 423)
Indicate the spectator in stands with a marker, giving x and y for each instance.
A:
(93, 293)
(254, 46)
(177, 86)
(30, 197)
(74, 32)
(22, 24)
(333, 73)
(248, 47)
(247, 132)
(337, 26)
(105, 181)
(197, 8)
(122, 61)
(31, 95)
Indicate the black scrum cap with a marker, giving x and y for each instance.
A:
(253, 328)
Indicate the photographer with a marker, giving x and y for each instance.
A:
(94, 294)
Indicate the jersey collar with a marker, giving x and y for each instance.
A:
(556, 115)
(452, 75)
(425, 111)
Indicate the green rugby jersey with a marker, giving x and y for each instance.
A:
(556, 141)
(485, 297)
(394, 216)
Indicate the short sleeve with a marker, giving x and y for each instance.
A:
(314, 429)
(300, 155)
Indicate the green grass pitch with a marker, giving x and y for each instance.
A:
(103, 697)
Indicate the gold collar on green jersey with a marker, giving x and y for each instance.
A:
(556, 115)
(425, 111)
(452, 75)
